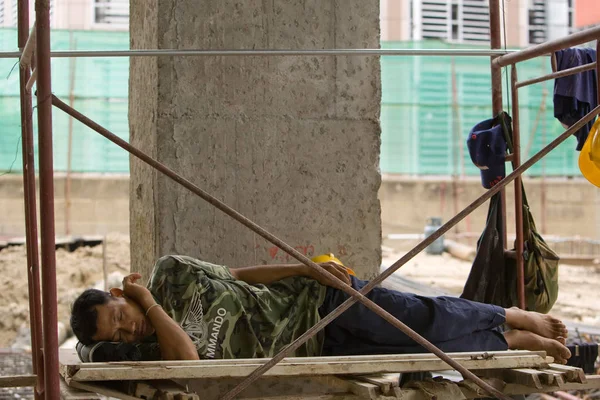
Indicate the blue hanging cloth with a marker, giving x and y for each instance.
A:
(575, 95)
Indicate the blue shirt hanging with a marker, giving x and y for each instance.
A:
(575, 95)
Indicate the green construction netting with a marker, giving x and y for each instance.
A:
(95, 86)
(428, 106)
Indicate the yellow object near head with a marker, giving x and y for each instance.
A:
(323, 258)
(589, 158)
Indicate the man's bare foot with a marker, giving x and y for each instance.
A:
(541, 324)
(525, 340)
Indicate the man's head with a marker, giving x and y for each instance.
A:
(108, 316)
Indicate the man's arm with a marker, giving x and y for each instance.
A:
(174, 343)
(267, 274)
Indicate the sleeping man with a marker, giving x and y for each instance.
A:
(193, 309)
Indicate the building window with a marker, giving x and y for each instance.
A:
(571, 20)
(2, 5)
(537, 22)
(114, 13)
(456, 20)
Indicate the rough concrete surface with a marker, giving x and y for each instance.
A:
(97, 205)
(291, 142)
(100, 204)
(560, 207)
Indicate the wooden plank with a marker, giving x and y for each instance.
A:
(363, 390)
(572, 374)
(71, 393)
(199, 369)
(141, 389)
(69, 357)
(385, 382)
(343, 396)
(101, 389)
(593, 382)
(522, 376)
(18, 380)
(300, 387)
(169, 390)
(552, 377)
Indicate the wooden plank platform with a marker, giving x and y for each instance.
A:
(72, 369)
(324, 378)
(319, 388)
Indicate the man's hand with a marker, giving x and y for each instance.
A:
(137, 292)
(335, 269)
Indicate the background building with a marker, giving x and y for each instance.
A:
(467, 21)
(587, 13)
(428, 104)
(75, 14)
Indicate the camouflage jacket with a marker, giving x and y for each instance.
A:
(228, 318)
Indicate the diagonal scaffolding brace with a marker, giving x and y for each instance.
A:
(355, 295)
(42, 29)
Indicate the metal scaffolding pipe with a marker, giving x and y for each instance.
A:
(269, 53)
(496, 71)
(412, 253)
(556, 75)
(29, 198)
(551, 46)
(357, 296)
(495, 44)
(46, 173)
(516, 140)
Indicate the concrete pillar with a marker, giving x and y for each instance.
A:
(290, 142)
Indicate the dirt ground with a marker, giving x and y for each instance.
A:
(75, 271)
(579, 299)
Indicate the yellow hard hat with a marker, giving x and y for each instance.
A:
(589, 157)
(323, 258)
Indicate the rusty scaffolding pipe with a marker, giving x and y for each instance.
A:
(46, 174)
(556, 75)
(47, 215)
(496, 43)
(412, 253)
(29, 193)
(516, 140)
(357, 296)
(548, 47)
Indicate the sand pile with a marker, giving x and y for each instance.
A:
(578, 301)
(75, 271)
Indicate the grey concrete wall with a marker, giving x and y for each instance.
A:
(572, 207)
(291, 142)
(98, 205)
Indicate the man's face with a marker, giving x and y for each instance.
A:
(121, 320)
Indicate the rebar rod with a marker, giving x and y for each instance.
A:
(358, 296)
